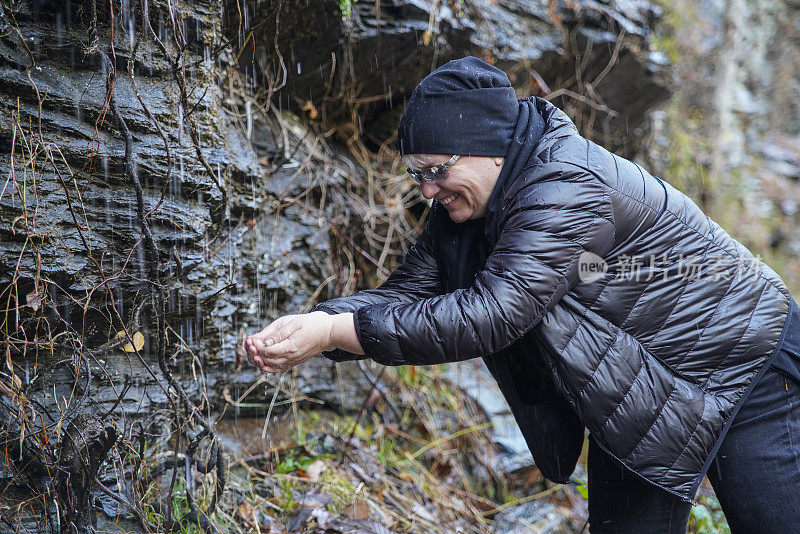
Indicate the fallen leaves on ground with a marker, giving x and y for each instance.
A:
(435, 471)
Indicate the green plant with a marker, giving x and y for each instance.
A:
(345, 8)
(180, 507)
(340, 490)
(409, 375)
(289, 464)
(706, 517)
(388, 453)
(286, 499)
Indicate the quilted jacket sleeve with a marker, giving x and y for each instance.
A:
(415, 279)
(558, 212)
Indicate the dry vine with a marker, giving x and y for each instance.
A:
(55, 451)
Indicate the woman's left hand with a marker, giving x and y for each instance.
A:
(290, 340)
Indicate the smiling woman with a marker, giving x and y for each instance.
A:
(464, 188)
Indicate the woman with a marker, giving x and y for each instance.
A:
(599, 297)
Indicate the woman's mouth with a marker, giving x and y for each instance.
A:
(447, 200)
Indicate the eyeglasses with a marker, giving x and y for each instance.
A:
(434, 174)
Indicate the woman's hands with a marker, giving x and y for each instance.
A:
(293, 339)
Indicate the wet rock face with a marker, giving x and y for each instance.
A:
(591, 51)
(80, 168)
(69, 228)
(563, 44)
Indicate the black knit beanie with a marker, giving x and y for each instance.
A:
(465, 107)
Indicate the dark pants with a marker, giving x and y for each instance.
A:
(755, 474)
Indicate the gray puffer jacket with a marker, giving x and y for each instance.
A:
(653, 352)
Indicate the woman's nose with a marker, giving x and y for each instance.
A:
(429, 189)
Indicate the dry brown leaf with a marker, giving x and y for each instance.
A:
(34, 299)
(17, 383)
(358, 510)
(138, 342)
(311, 109)
(245, 512)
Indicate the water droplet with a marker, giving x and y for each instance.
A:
(248, 109)
(131, 37)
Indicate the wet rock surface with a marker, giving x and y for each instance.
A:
(543, 517)
(392, 44)
(222, 277)
(778, 176)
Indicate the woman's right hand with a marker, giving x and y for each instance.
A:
(289, 341)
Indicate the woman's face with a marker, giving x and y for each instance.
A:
(467, 185)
